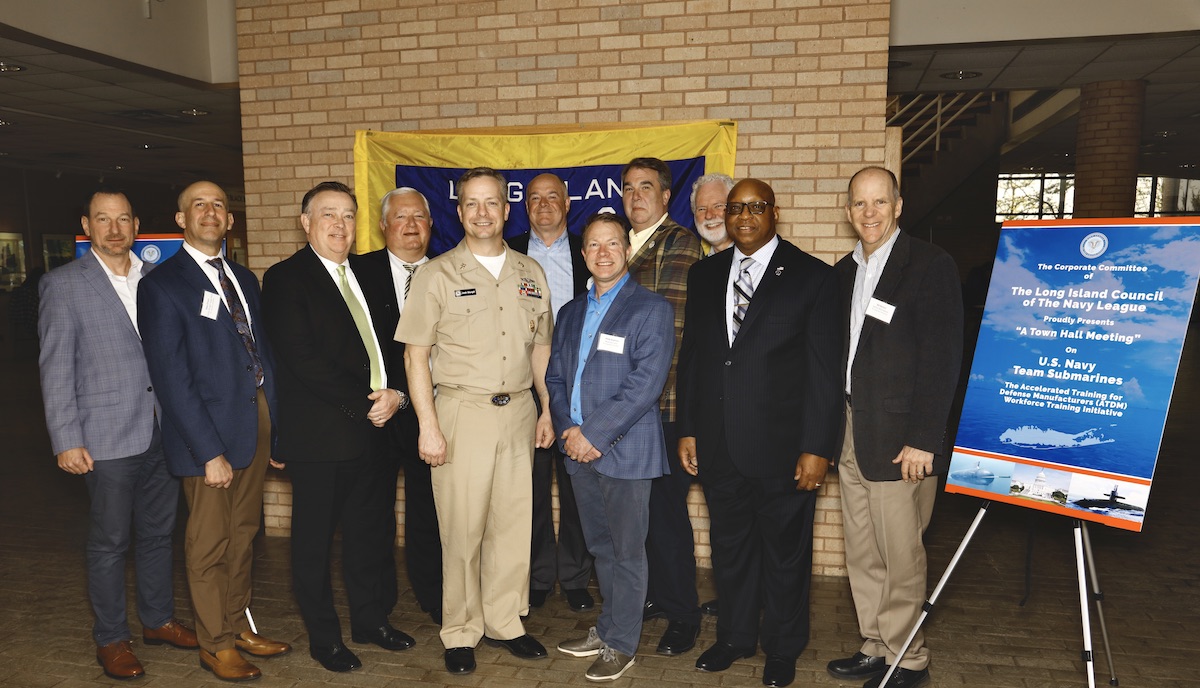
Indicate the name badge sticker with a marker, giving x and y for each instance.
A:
(211, 305)
(611, 343)
(464, 292)
(880, 310)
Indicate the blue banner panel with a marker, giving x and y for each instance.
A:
(591, 188)
(1075, 365)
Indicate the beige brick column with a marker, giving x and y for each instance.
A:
(1106, 145)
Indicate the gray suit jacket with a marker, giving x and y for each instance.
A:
(95, 384)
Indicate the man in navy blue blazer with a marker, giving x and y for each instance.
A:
(200, 319)
(609, 361)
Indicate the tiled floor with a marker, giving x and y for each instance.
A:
(979, 632)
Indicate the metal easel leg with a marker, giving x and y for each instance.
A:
(937, 590)
(1088, 661)
(1098, 598)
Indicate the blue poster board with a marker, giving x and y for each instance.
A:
(151, 248)
(1075, 365)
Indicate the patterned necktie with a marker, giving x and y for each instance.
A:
(363, 325)
(743, 289)
(408, 280)
(239, 318)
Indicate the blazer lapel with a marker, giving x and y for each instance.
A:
(888, 281)
(96, 276)
(194, 275)
(767, 286)
(620, 303)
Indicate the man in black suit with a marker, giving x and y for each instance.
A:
(334, 402)
(760, 408)
(560, 254)
(903, 336)
(406, 225)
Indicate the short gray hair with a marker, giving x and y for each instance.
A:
(383, 204)
(710, 177)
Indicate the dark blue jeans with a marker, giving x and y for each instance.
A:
(132, 494)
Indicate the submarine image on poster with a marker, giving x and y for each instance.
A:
(1112, 502)
(974, 476)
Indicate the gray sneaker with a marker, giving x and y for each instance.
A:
(609, 666)
(583, 647)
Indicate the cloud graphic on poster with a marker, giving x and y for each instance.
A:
(1132, 390)
(1182, 255)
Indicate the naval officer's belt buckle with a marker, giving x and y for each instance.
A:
(501, 399)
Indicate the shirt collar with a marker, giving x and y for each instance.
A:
(562, 239)
(199, 256)
(649, 230)
(610, 294)
(881, 254)
(135, 265)
(761, 256)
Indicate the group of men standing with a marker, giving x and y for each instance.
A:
(626, 360)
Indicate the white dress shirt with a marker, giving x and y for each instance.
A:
(762, 258)
(866, 278)
(332, 268)
(126, 285)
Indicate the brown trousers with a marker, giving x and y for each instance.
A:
(221, 526)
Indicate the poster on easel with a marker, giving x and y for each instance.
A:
(1075, 364)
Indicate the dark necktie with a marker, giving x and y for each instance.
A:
(239, 318)
(743, 289)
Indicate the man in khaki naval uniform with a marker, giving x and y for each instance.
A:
(486, 310)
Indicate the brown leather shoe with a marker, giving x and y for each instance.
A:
(254, 644)
(228, 665)
(118, 661)
(171, 633)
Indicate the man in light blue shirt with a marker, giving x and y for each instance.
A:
(609, 362)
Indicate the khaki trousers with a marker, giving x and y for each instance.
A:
(484, 500)
(883, 522)
(222, 523)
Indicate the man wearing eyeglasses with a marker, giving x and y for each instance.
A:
(708, 207)
(759, 414)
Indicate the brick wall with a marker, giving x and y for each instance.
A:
(1107, 146)
(806, 81)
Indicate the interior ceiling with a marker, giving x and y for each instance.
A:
(1169, 64)
(83, 113)
(88, 114)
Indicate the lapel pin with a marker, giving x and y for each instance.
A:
(778, 271)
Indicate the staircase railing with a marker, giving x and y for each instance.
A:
(935, 112)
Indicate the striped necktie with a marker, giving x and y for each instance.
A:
(743, 289)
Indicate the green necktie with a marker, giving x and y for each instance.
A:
(363, 325)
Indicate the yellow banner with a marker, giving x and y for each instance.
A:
(588, 157)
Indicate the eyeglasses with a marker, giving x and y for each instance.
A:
(755, 208)
(703, 210)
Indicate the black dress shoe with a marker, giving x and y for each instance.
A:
(336, 657)
(385, 636)
(903, 678)
(460, 660)
(679, 638)
(858, 666)
(709, 608)
(524, 646)
(538, 597)
(780, 670)
(579, 600)
(720, 656)
(652, 611)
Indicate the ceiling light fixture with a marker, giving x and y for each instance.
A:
(961, 75)
(194, 112)
(8, 67)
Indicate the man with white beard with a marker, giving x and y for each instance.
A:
(708, 206)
